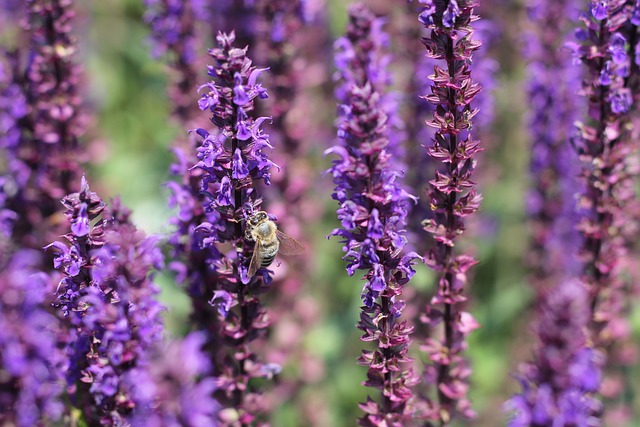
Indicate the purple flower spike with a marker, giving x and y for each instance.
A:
(221, 186)
(604, 144)
(557, 387)
(553, 81)
(110, 303)
(373, 210)
(452, 197)
(41, 121)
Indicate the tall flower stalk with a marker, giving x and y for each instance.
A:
(603, 146)
(109, 301)
(373, 210)
(231, 160)
(452, 197)
(41, 122)
(553, 83)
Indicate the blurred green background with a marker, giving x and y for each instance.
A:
(130, 153)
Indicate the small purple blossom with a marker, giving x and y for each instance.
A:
(621, 100)
(599, 9)
(618, 48)
(451, 14)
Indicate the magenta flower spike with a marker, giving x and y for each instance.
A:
(452, 196)
(373, 210)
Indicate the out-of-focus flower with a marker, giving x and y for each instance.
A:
(553, 82)
(177, 386)
(109, 300)
(174, 36)
(31, 365)
(373, 210)
(452, 197)
(605, 48)
(601, 142)
(40, 123)
(558, 386)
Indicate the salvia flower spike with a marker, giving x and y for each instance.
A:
(603, 142)
(231, 159)
(109, 301)
(452, 196)
(373, 210)
(42, 121)
(553, 83)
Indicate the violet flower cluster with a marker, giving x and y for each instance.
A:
(373, 210)
(553, 83)
(605, 49)
(452, 197)
(109, 301)
(231, 160)
(40, 123)
(31, 380)
(558, 387)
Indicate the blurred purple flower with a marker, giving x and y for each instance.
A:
(31, 365)
(558, 386)
(40, 122)
(452, 197)
(599, 9)
(553, 82)
(601, 142)
(176, 394)
(373, 210)
(174, 36)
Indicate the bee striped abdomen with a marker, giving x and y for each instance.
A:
(270, 250)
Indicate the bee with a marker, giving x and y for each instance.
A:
(269, 241)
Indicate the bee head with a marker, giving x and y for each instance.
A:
(257, 217)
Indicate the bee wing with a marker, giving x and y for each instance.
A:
(288, 245)
(256, 259)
